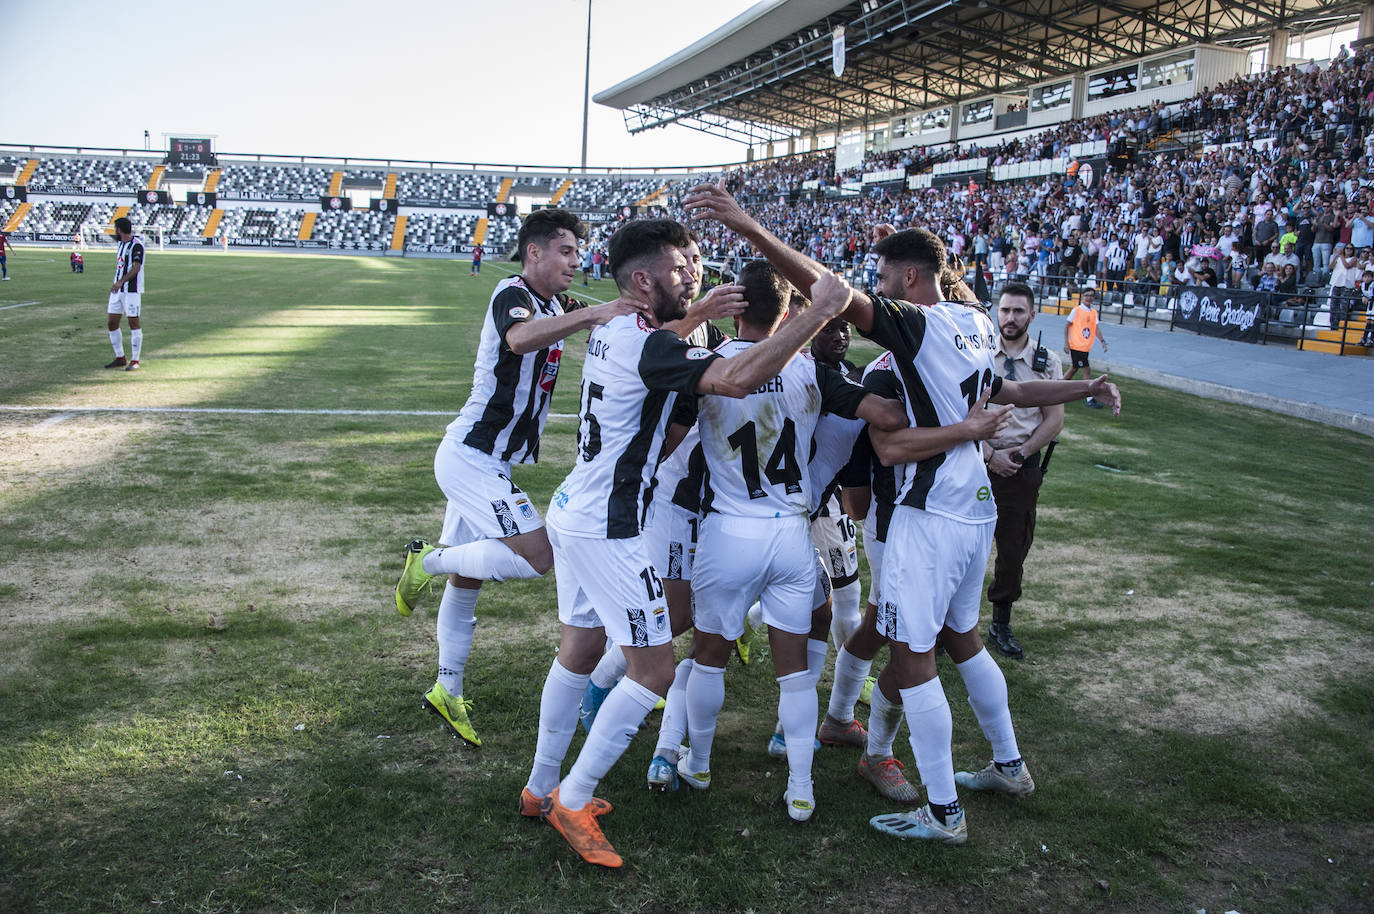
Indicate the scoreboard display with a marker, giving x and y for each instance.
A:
(189, 151)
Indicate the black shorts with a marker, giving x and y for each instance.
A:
(1078, 359)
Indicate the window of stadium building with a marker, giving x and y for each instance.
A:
(1321, 45)
(1113, 82)
(976, 113)
(1167, 71)
(935, 120)
(1047, 98)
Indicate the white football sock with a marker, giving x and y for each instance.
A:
(483, 560)
(705, 698)
(850, 674)
(673, 730)
(987, 695)
(815, 658)
(117, 341)
(845, 616)
(884, 718)
(797, 709)
(453, 630)
(610, 668)
(932, 728)
(135, 343)
(616, 724)
(558, 711)
(755, 616)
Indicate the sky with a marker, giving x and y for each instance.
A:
(460, 81)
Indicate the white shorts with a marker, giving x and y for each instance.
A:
(126, 303)
(483, 503)
(671, 535)
(873, 550)
(935, 578)
(833, 535)
(610, 584)
(743, 559)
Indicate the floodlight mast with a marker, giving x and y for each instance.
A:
(587, 86)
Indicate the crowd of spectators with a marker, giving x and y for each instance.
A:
(1268, 185)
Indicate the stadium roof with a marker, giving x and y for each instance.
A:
(766, 75)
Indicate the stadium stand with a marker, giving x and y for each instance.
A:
(250, 182)
(114, 175)
(443, 188)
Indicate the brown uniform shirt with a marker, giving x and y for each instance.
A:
(1023, 420)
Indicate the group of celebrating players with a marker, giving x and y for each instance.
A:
(704, 465)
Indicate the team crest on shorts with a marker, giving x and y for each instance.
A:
(526, 510)
(660, 619)
(675, 561)
(887, 619)
(639, 631)
(505, 517)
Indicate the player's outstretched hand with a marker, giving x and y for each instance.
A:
(981, 422)
(616, 307)
(1105, 392)
(722, 301)
(831, 294)
(882, 230)
(713, 201)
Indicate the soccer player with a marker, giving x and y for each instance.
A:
(492, 530)
(940, 534)
(634, 373)
(755, 540)
(477, 252)
(5, 248)
(670, 528)
(126, 295)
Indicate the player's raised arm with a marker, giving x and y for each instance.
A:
(1048, 393)
(529, 336)
(738, 376)
(712, 201)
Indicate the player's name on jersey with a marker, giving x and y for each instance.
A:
(773, 386)
(975, 341)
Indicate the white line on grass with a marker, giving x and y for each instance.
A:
(22, 304)
(53, 420)
(240, 411)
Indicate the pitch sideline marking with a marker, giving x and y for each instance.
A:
(599, 301)
(22, 304)
(240, 411)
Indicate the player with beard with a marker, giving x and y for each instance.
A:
(1014, 459)
(492, 531)
(671, 525)
(608, 587)
(940, 535)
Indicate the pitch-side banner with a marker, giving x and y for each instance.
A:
(1228, 313)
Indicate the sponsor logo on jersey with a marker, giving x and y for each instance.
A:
(550, 372)
(560, 497)
(519, 314)
(984, 493)
(696, 353)
(504, 517)
(639, 632)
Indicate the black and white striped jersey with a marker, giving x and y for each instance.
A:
(757, 448)
(943, 355)
(126, 255)
(631, 380)
(505, 412)
(681, 475)
(865, 469)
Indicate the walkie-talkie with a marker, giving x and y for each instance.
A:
(1042, 356)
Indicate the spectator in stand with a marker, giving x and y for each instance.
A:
(1367, 300)
(1325, 224)
(1345, 278)
(1268, 279)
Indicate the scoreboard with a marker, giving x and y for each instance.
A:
(190, 151)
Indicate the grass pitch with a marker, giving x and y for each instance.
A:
(209, 703)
